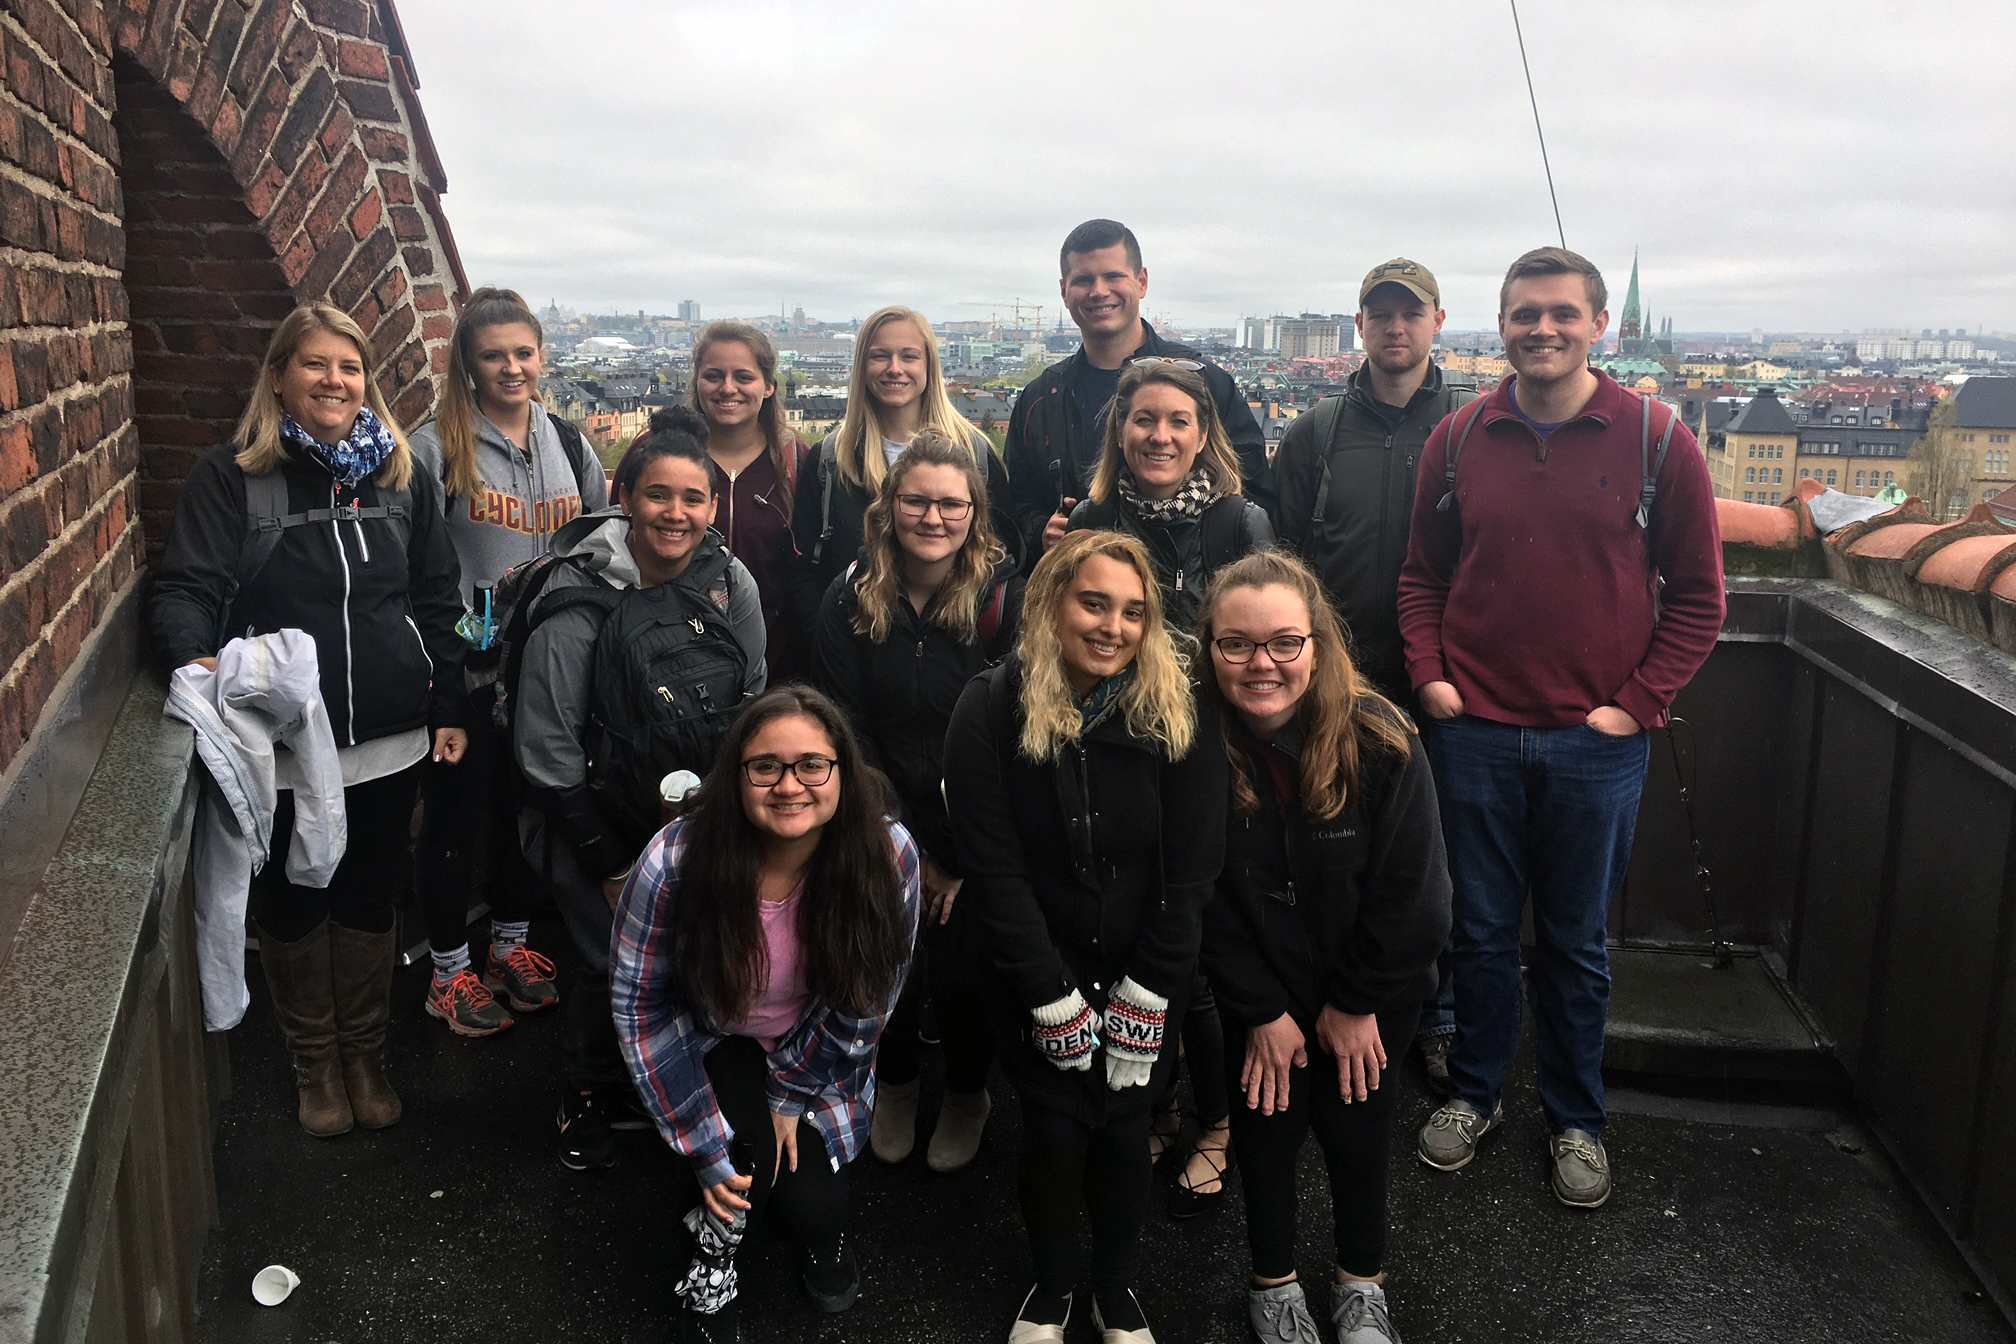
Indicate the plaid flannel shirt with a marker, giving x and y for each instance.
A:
(823, 1069)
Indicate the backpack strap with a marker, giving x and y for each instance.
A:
(266, 517)
(1455, 454)
(1222, 524)
(825, 451)
(577, 450)
(1650, 464)
(987, 623)
(1325, 433)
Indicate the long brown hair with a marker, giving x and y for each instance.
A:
(779, 441)
(258, 435)
(852, 929)
(1157, 704)
(456, 423)
(1217, 457)
(1342, 717)
(880, 587)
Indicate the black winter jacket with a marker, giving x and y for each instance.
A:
(829, 538)
(1081, 870)
(382, 613)
(1350, 912)
(1186, 554)
(899, 694)
(1344, 489)
(1052, 452)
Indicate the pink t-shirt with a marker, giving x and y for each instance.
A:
(781, 999)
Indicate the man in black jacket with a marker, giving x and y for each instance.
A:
(1054, 431)
(1344, 488)
(1344, 475)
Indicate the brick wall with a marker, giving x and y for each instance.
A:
(174, 176)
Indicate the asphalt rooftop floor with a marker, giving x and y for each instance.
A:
(1728, 1223)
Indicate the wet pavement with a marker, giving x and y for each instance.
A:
(1729, 1222)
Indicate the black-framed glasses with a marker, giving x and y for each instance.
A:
(766, 772)
(1281, 648)
(1194, 365)
(916, 506)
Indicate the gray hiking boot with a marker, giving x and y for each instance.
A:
(1581, 1169)
(1449, 1140)
(1280, 1315)
(1358, 1312)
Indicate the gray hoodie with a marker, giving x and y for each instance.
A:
(527, 496)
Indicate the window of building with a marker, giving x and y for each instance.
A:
(1830, 476)
(1998, 438)
(1860, 478)
(1803, 473)
(1966, 438)
(1889, 477)
(1778, 476)
(1750, 475)
(1749, 497)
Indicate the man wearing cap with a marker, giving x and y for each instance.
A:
(1344, 475)
(1054, 432)
(1344, 486)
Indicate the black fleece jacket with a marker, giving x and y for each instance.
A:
(381, 608)
(828, 537)
(1051, 451)
(1089, 867)
(900, 694)
(1350, 912)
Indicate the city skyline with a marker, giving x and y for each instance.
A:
(1783, 171)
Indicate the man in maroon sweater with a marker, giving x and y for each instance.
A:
(1543, 645)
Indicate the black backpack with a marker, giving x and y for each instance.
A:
(665, 681)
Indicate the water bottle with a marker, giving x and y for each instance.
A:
(478, 626)
(675, 791)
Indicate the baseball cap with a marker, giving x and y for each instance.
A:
(1400, 271)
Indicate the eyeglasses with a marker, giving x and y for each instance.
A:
(1195, 366)
(766, 772)
(916, 506)
(1281, 648)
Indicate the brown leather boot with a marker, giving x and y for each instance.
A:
(362, 963)
(304, 1005)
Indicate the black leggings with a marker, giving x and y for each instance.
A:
(1354, 1140)
(378, 814)
(1204, 1054)
(967, 1039)
(809, 1204)
(469, 805)
(1066, 1161)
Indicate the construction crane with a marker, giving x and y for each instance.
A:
(1015, 305)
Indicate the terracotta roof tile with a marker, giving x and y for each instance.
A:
(1893, 542)
(1757, 524)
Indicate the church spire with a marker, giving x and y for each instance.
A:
(1632, 327)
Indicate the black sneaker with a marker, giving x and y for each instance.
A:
(832, 1282)
(585, 1141)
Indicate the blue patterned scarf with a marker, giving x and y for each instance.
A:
(1099, 703)
(365, 449)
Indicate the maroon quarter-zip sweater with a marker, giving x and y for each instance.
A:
(1533, 594)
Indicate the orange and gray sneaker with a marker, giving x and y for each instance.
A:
(523, 978)
(466, 1006)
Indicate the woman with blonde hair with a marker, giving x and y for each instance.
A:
(895, 391)
(1333, 806)
(511, 475)
(933, 600)
(1088, 803)
(1169, 476)
(312, 518)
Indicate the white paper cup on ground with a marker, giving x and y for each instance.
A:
(271, 1285)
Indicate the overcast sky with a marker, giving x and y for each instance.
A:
(1794, 166)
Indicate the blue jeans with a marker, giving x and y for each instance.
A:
(1438, 1011)
(1550, 811)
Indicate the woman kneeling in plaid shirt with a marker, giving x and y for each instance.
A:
(760, 944)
